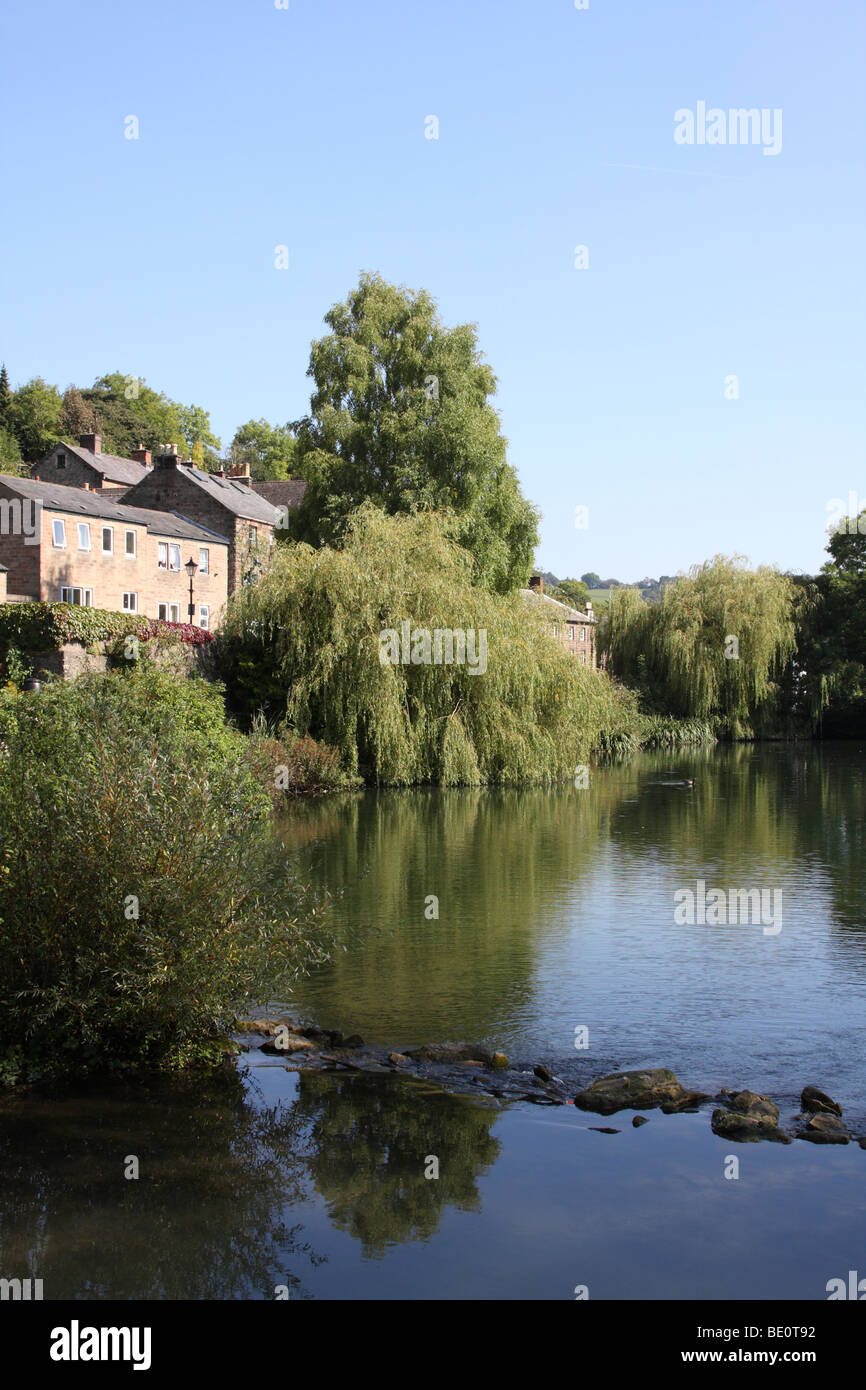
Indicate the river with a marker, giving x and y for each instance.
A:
(545, 923)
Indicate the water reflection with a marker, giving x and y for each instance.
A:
(556, 909)
(206, 1219)
(370, 1144)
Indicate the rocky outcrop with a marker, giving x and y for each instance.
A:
(631, 1090)
(815, 1102)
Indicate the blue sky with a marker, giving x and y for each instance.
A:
(305, 127)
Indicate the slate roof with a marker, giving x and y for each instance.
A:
(234, 496)
(282, 492)
(562, 610)
(111, 466)
(55, 497)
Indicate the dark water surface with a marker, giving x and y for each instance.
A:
(556, 911)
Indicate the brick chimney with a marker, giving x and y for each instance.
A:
(141, 455)
(240, 473)
(537, 582)
(93, 442)
(168, 459)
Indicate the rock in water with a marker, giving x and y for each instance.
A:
(750, 1103)
(824, 1129)
(452, 1052)
(640, 1120)
(630, 1090)
(814, 1101)
(542, 1073)
(744, 1128)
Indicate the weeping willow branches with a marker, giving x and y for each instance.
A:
(306, 643)
(717, 644)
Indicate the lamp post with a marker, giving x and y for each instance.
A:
(191, 568)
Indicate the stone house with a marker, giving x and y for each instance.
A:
(73, 545)
(85, 465)
(227, 504)
(575, 630)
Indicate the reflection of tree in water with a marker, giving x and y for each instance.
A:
(205, 1219)
(369, 1139)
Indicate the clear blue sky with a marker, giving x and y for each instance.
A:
(306, 127)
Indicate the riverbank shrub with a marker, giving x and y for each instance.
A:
(289, 766)
(142, 899)
(305, 645)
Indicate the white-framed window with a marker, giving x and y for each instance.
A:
(131, 544)
(553, 625)
(583, 658)
(571, 632)
(108, 540)
(162, 555)
(254, 536)
(174, 557)
(82, 598)
(130, 603)
(204, 561)
(58, 534)
(168, 612)
(204, 615)
(83, 535)
(583, 634)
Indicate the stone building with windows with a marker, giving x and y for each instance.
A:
(73, 545)
(226, 503)
(85, 465)
(575, 630)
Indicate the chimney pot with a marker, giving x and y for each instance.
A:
(141, 455)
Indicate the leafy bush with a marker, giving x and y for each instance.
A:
(292, 766)
(142, 901)
(46, 626)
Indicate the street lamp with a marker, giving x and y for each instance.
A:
(191, 568)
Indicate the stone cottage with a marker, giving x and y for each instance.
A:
(73, 545)
(227, 504)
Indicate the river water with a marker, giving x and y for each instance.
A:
(557, 912)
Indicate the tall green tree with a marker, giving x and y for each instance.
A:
(716, 645)
(269, 451)
(402, 416)
(35, 417)
(131, 413)
(832, 633)
(5, 399)
(10, 454)
(77, 417)
(572, 591)
(321, 640)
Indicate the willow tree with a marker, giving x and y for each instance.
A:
(716, 645)
(402, 416)
(352, 647)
